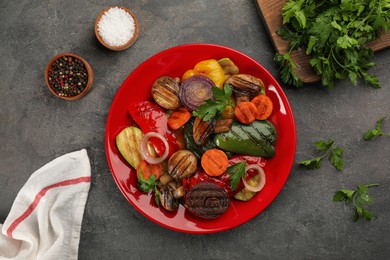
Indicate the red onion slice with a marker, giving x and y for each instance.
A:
(145, 151)
(195, 90)
(260, 184)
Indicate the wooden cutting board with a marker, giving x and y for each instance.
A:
(271, 13)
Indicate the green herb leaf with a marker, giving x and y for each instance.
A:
(146, 185)
(377, 131)
(312, 164)
(211, 108)
(360, 199)
(335, 157)
(236, 172)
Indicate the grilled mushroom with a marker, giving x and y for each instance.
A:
(202, 130)
(182, 164)
(167, 200)
(177, 188)
(207, 200)
(245, 87)
(165, 92)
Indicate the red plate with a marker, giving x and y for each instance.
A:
(174, 62)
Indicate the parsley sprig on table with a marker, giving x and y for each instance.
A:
(377, 131)
(360, 199)
(334, 34)
(335, 157)
(219, 102)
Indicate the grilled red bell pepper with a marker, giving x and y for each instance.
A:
(223, 180)
(152, 118)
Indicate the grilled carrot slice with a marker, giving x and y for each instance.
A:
(264, 106)
(245, 112)
(214, 162)
(179, 118)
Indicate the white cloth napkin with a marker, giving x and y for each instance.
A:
(45, 218)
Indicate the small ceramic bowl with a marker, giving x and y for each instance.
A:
(119, 47)
(89, 76)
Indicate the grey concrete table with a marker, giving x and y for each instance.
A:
(302, 223)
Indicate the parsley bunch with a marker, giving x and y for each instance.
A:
(360, 199)
(335, 157)
(334, 34)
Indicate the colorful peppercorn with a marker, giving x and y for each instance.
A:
(68, 76)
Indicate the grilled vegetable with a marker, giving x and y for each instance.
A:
(178, 118)
(195, 90)
(128, 143)
(167, 200)
(257, 139)
(191, 145)
(214, 162)
(207, 200)
(211, 69)
(245, 87)
(202, 130)
(245, 112)
(228, 67)
(182, 164)
(264, 106)
(165, 92)
(223, 125)
(244, 194)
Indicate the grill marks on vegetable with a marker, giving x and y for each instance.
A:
(202, 130)
(207, 200)
(182, 164)
(165, 92)
(245, 87)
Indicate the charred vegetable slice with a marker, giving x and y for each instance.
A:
(207, 200)
(228, 66)
(182, 164)
(128, 143)
(257, 139)
(195, 90)
(165, 92)
(198, 150)
(223, 125)
(167, 199)
(246, 87)
(202, 130)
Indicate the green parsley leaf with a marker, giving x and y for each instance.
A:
(219, 102)
(236, 172)
(335, 157)
(146, 185)
(360, 199)
(377, 131)
(312, 164)
(149, 185)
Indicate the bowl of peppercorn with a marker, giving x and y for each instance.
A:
(68, 76)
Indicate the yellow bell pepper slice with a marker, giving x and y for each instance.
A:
(209, 68)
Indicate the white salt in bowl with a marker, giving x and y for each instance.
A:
(116, 28)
